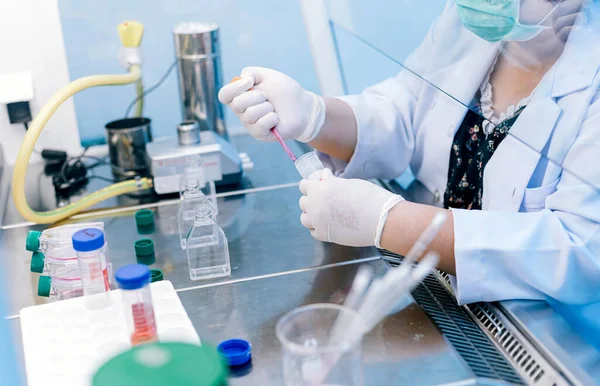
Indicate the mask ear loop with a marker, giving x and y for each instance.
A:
(549, 14)
(521, 54)
(541, 22)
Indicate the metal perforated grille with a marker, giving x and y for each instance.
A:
(473, 345)
(461, 330)
(527, 362)
(435, 296)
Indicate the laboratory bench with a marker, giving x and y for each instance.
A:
(276, 266)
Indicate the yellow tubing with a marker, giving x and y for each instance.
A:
(139, 108)
(35, 129)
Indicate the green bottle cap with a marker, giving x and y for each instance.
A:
(144, 247)
(155, 275)
(159, 364)
(44, 285)
(37, 262)
(144, 251)
(32, 243)
(145, 230)
(144, 218)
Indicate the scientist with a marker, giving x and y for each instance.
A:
(519, 170)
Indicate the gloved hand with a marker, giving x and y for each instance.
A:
(346, 212)
(266, 98)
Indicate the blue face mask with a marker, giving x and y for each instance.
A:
(495, 20)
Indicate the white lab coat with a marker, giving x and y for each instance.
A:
(539, 234)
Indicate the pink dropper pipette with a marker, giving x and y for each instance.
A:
(284, 145)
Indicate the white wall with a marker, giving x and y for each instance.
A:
(316, 19)
(268, 33)
(31, 40)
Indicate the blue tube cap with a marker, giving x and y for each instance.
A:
(88, 239)
(236, 352)
(132, 276)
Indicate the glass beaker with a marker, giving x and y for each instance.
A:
(309, 357)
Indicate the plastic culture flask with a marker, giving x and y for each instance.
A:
(309, 356)
(194, 169)
(206, 247)
(67, 268)
(90, 246)
(134, 280)
(59, 288)
(56, 242)
(192, 196)
(61, 271)
(53, 253)
(309, 166)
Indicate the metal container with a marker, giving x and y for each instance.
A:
(188, 133)
(200, 78)
(127, 139)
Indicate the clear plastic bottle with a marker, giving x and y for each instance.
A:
(56, 242)
(53, 253)
(194, 169)
(207, 249)
(90, 246)
(67, 268)
(192, 196)
(134, 280)
(309, 166)
(59, 288)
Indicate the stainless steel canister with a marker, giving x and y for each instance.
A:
(188, 133)
(199, 71)
(127, 139)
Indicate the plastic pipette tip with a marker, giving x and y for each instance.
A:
(285, 146)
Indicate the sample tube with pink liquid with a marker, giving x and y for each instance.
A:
(134, 280)
(90, 246)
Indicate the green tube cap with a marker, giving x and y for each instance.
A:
(155, 275)
(144, 251)
(144, 247)
(145, 230)
(158, 364)
(37, 262)
(44, 285)
(144, 218)
(32, 243)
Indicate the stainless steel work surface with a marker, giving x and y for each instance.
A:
(263, 229)
(404, 349)
(272, 167)
(565, 338)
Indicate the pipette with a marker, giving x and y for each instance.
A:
(284, 145)
(355, 296)
(384, 293)
(374, 308)
(422, 243)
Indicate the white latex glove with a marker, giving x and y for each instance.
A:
(346, 212)
(266, 98)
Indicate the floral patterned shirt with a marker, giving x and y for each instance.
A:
(471, 151)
